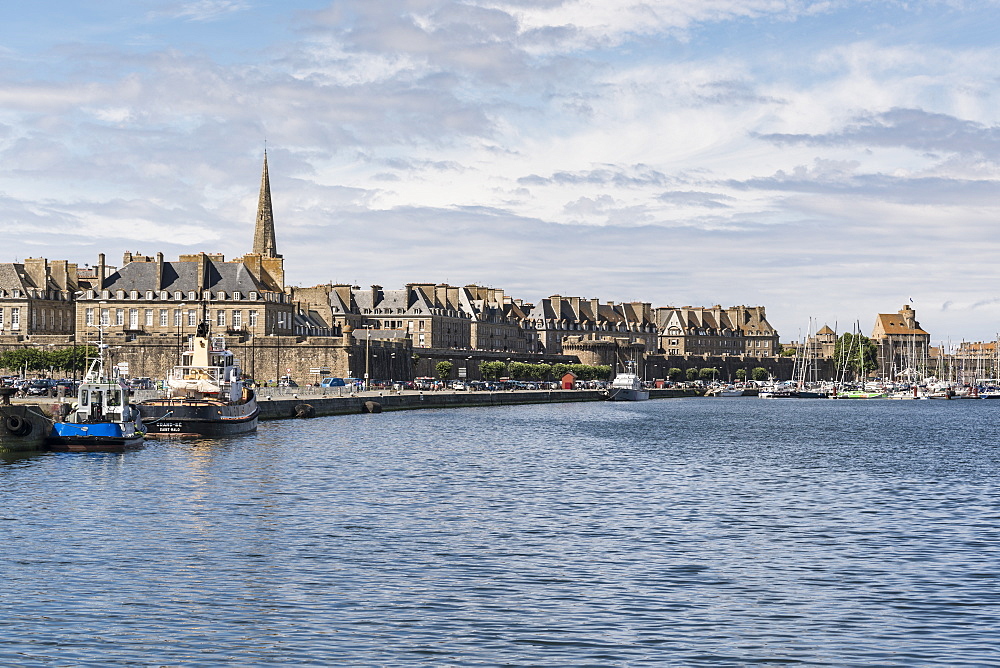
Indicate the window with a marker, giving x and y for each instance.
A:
(237, 319)
(253, 296)
(164, 317)
(133, 318)
(149, 297)
(1, 319)
(134, 294)
(192, 318)
(105, 317)
(120, 317)
(177, 317)
(15, 317)
(220, 318)
(237, 296)
(253, 318)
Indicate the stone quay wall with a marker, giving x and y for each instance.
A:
(284, 408)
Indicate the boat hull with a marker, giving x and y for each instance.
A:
(624, 394)
(96, 437)
(198, 418)
(21, 429)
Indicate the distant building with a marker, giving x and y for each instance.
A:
(36, 297)
(697, 330)
(903, 347)
(557, 318)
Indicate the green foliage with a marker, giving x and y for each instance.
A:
(559, 370)
(788, 352)
(856, 353)
(491, 370)
(675, 374)
(443, 370)
(759, 373)
(708, 374)
(692, 374)
(741, 374)
(69, 360)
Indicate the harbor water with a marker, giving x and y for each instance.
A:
(688, 532)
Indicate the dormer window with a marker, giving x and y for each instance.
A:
(206, 294)
(149, 295)
(191, 295)
(221, 295)
(237, 296)
(253, 296)
(119, 294)
(134, 294)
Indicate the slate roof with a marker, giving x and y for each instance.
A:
(228, 277)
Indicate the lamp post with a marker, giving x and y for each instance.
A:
(392, 370)
(368, 350)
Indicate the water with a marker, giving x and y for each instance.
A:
(693, 532)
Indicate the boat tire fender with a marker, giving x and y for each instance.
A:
(17, 425)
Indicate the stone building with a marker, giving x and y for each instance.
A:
(150, 297)
(556, 318)
(697, 330)
(430, 315)
(36, 297)
(903, 347)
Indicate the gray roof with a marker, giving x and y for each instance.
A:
(226, 277)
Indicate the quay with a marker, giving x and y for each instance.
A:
(283, 407)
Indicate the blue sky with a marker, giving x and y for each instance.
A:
(826, 159)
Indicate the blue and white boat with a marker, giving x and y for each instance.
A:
(102, 419)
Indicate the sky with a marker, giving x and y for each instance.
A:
(827, 159)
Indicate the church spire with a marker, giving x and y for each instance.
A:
(263, 236)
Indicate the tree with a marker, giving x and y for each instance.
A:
(692, 374)
(856, 353)
(19, 359)
(708, 373)
(491, 370)
(759, 373)
(741, 374)
(675, 374)
(443, 370)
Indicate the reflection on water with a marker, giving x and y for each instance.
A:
(683, 532)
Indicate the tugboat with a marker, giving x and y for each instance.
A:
(102, 419)
(207, 396)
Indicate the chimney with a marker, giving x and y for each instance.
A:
(100, 271)
(159, 271)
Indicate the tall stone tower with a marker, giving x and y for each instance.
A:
(263, 236)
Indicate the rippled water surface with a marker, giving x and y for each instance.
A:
(688, 532)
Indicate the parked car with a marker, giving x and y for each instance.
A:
(39, 387)
(332, 382)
